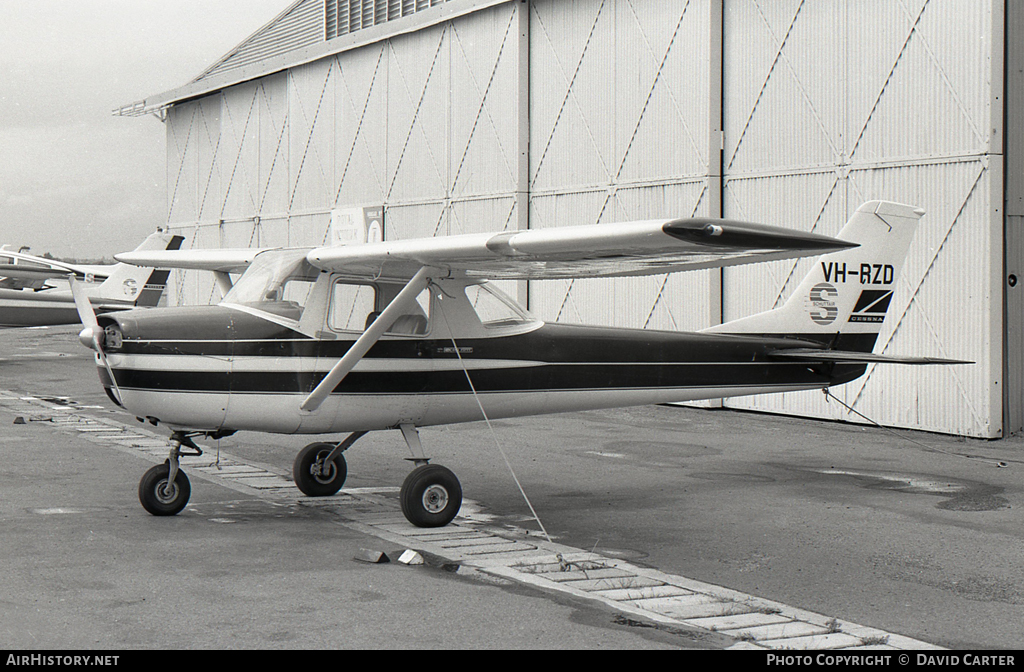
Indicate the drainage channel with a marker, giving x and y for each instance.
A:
(513, 555)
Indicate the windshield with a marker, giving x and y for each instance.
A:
(277, 281)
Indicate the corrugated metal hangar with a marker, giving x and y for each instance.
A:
(460, 116)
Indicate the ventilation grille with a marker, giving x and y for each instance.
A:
(347, 16)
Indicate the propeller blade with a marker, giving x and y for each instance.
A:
(85, 312)
(92, 335)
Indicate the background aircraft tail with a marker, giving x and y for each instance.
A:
(843, 300)
(141, 286)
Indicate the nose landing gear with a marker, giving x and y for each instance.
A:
(164, 489)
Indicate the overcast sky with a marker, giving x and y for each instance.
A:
(75, 180)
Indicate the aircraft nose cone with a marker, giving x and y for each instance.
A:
(89, 337)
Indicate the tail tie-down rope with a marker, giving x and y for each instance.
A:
(829, 395)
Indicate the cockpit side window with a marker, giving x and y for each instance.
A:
(354, 307)
(416, 320)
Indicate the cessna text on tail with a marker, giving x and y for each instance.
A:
(125, 286)
(407, 334)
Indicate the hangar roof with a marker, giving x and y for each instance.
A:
(307, 31)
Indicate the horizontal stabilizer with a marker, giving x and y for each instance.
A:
(812, 355)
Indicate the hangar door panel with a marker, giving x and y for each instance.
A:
(417, 114)
(618, 131)
(808, 141)
(311, 137)
(239, 152)
(360, 159)
(451, 144)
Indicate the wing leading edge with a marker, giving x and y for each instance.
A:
(603, 250)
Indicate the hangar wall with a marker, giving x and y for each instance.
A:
(829, 104)
(426, 123)
(556, 112)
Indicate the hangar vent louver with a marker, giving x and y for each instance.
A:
(342, 17)
(310, 22)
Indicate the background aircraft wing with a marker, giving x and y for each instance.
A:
(22, 276)
(219, 260)
(603, 250)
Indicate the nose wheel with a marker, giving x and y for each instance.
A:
(164, 495)
(164, 489)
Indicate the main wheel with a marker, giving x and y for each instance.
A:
(431, 496)
(313, 476)
(161, 497)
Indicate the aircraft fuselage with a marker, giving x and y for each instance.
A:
(217, 368)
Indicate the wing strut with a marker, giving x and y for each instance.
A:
(405, 299)
(223, 280)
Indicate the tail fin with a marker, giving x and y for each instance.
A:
(844, 299)
(141, 286)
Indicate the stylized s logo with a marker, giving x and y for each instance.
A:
(824, 311)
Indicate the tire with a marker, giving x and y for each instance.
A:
(431, 496)
(157, 497)
(315, 484)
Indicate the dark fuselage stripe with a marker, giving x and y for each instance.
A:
(548, 377)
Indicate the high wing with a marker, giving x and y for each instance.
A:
(219, 261)
(222, 262)
(603, 250)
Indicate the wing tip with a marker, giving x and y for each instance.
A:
(731, 233)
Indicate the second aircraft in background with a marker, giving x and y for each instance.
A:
(32, 295)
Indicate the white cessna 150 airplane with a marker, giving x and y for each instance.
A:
(407, 334)
(30, 295)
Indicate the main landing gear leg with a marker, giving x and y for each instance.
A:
(164, 490)
(431, 495)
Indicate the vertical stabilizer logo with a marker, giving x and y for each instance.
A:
(823, 305)
(871, 306)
